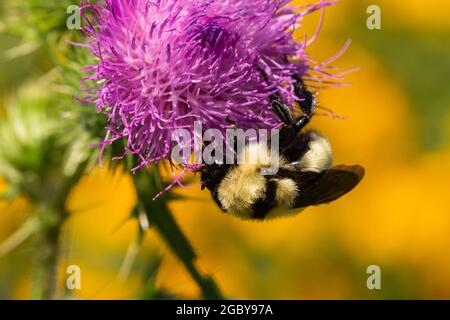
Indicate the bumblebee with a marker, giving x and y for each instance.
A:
(305, 175)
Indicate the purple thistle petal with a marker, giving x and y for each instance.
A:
(164, 64)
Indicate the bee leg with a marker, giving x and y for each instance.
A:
(307, 104)
(308, 99)
(292, 127)
(301, 123)
(290, 132)
(282, 111)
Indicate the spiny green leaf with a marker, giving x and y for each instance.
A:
(159, 215)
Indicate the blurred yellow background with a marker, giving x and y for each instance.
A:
(396, 126)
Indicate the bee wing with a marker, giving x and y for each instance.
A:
(326, 186)
(333, 184)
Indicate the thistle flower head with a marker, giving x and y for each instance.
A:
(164, 64)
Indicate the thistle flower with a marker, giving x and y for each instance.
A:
(164, 64)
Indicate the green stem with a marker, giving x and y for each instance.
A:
(46, 263)
(163, 221)
(52, 216)
(51, 272)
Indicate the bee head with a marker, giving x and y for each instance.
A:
(211, 175)
(203, 176)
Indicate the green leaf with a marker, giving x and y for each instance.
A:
(150, 291)
(160, 217)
